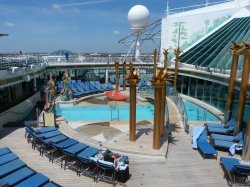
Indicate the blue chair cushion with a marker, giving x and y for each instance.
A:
(11, 167)
(222, 143)
(215, 125)
(4, 151)
(238, 137)
(45, 130)
(203, 135)
(49, 134)
(220, 130)
(234, 166)
(222, 137)
(65, 144)
(7, 158)
(229, 163)
(206, 148)
(89, 152)
(56, 139)
(230, 123)
(73, 150)
(34, 181)
(17, 176)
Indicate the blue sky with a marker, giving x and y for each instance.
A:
(76, 25)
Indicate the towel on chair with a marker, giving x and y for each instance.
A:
(236, 146)
(197, 131)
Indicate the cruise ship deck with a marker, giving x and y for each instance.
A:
(178, 115)
(182, 166)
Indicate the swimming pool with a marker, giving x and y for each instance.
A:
(197, 113)
(105, 113)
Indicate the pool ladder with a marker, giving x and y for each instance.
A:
(199, 116)
(114, 110)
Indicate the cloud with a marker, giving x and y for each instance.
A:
(57, 7)
(116, 32)
(87, 2)
(9, 24)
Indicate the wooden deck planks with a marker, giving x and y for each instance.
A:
(182, 167)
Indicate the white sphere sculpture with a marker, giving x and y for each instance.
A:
(138, 17)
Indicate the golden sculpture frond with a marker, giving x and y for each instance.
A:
(243, 48)
(160, 74)
(132, 72)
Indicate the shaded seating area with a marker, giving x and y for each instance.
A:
(232, 147)
(201, 143)
(216, 130)
(225, 140)
(77, 156)
(235, 171)
(219, 141)
(14, 172)
(238, 137)
(225, 129)
(230, 123)
(79, 88)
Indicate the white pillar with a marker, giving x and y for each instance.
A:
(106, 75)
(138, 49)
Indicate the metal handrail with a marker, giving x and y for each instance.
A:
(112, 108)
(187, 8)
(177, 99)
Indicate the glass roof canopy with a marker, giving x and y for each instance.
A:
(213, 51)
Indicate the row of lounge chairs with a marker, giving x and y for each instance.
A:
(141, 83)
(227, 128)
(14, 172)
(220, 138)
(70, 153)
(79, 88)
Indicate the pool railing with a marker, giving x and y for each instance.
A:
(172, 93)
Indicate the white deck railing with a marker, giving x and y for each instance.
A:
(187, 8)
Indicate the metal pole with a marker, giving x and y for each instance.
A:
(155, 60)
(124, 76)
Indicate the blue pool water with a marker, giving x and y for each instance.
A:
(197, 113)
(143, 112)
